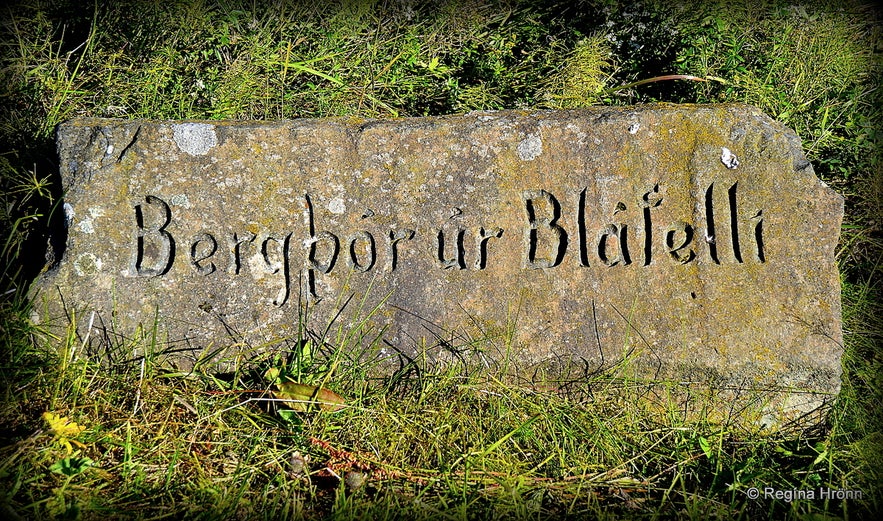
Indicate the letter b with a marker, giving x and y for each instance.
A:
(543, 225)
(153, 242)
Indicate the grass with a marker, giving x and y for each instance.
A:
(134, 440)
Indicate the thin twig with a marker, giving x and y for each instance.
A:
(663, 78)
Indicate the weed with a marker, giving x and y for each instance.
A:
(581, 79)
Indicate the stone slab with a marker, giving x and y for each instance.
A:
(694, 241)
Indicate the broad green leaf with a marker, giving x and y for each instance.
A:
(291, 417)
(706, 447)
(302, 396)
(71, 466)
(273, 374)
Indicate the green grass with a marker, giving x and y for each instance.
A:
(436, 442)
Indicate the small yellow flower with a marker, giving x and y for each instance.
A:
(63, 429)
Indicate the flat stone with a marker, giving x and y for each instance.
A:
(678, 243)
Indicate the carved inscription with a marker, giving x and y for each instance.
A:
(546, 243)
(693, 241)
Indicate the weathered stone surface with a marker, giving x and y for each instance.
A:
(694, 240)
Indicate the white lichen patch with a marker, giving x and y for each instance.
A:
(337, 206)
(382, 157)
(85, 226)
(728, 158)
(634, 128)
(580, 135)
(195, 138)
(530, 148)
(87, 264)
(180, 200)
(68, 214)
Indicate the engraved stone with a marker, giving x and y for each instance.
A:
(689, 244)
